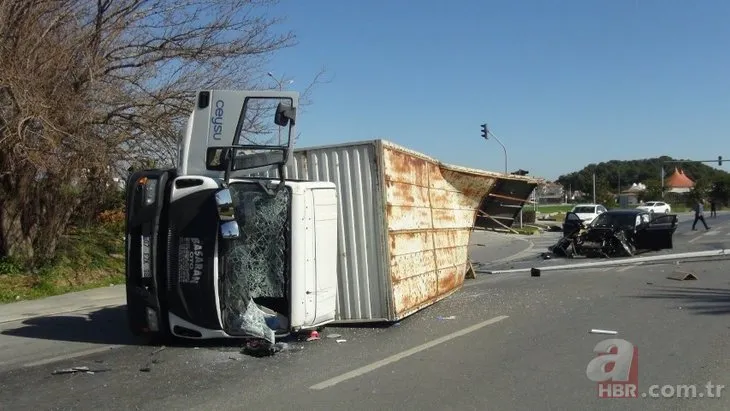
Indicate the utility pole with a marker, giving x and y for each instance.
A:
(485, 135)
(594, 187)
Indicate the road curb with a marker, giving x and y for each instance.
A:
(76, 302)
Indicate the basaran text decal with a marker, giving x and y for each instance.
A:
(191, 260)
(217, 119)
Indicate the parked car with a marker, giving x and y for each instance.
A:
(656, 207)
(588, 212)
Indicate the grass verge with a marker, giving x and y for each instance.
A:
(87, 258)
(553, 208)
(526, 229)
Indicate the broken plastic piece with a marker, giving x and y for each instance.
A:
(534, 272)
(334, 336)
(609, 332)
(682, 276)
(341, 341)
(313, 336)
(75, 370)
(451, 317)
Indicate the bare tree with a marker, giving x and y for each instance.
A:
(85, 84)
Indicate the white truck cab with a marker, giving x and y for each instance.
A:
(214, 254)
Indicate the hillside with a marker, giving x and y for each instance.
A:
(647, 171)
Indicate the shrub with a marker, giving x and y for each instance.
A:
(113, 220)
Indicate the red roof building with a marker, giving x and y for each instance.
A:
(678, 182)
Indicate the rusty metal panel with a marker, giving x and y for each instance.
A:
(405, 224)
(427, 200)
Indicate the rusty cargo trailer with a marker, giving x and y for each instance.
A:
(405, 222)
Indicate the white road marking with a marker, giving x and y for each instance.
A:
(71, 355)
(401, 355)
(696, 238)
(606, 269)
(713, 232)
(628, 267)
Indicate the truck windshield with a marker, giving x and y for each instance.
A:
(254, 277)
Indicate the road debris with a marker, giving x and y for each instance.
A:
(334, 336)
(313, 336)
(262, 348)
(148, 366)
(682, 276)
(598, 331)
(74, 370)
(451, 317)
(339, 341)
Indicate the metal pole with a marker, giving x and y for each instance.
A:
(503, 149)
(505, 152)
(594, 187)
(662, 178)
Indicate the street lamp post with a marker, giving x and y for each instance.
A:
(281, 87)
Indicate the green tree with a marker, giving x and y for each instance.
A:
(699, 192)
(635, 171)
(721, 190)
(653, 190)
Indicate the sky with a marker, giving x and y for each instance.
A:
(562, 83)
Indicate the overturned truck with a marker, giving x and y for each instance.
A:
(248, 238)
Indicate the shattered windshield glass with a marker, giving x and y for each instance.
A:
(254, 277)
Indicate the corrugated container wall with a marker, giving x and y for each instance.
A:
(363, 289)
(404, 227)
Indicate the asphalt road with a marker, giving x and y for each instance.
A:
(514, 342)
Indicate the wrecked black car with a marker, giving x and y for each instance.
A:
(616, 233)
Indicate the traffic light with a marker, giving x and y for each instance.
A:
(484, 130)
(719, 160)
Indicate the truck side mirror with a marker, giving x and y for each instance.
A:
(285, 114)
(216, 158)
(226, 214)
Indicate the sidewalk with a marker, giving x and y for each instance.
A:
(66, 303)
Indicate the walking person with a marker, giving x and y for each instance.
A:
(713, 208)
(699, 215)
